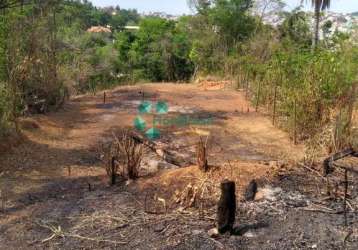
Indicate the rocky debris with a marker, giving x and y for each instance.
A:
(197, 232)
(273, 200)
(249, 234)
(213, 233)
(268, 193)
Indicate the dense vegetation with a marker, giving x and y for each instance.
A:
(46, 54)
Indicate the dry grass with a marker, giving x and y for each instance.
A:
(124, 153)
(132, 153)
(190, 187)
(110, 155)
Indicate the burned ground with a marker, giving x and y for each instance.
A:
(45, 208)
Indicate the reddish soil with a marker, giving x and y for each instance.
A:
(42, 207)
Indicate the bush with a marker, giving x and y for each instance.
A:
(122, 152)
(132, 154)
(302, 89)
(5, 109)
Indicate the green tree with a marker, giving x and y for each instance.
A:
(158, 51)
(318, 5)
(217, 32)
(295, 29)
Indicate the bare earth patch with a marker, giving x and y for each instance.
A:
(55, 194)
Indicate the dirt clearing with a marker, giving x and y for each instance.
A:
(55, 194)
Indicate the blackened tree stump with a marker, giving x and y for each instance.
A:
(226, 207)
(250, 191)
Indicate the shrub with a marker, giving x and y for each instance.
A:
(132, 154)
(5, 109)
(122, 153)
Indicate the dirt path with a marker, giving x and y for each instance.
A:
(35, 175)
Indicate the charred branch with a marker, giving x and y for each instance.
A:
(329, 163)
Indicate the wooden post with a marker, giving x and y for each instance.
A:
(345, 196)
(258, 96)
(226, 207)
(202, 160)
(351, 107)
(104, 97)
(113, 171)
(274, 105)
(295, 124)
(2, 200)
(247, 85)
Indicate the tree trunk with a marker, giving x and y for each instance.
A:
(226, 207)
(317, 14)
(113, 171)
(258, 96)
(345, 196)
(295, 123)
(351, 106)
(274, 104)
(250, 191)
(202, 160)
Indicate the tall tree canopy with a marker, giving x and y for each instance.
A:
(318, 5)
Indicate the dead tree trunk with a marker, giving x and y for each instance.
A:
(113, 171)
(226, 207)
(345, 196)
(258, 96)
(202, 160)
(295, 123)
(274, 105)
(251, 191)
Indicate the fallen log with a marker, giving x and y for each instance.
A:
(167, 155)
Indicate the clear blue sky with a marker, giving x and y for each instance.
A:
(180, 6)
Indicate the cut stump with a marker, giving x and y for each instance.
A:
(226, 207)
(202, 160)
(250, 191)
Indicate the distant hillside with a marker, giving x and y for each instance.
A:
(355, 14)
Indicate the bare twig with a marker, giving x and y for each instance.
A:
(322, 209)
(58, 232)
